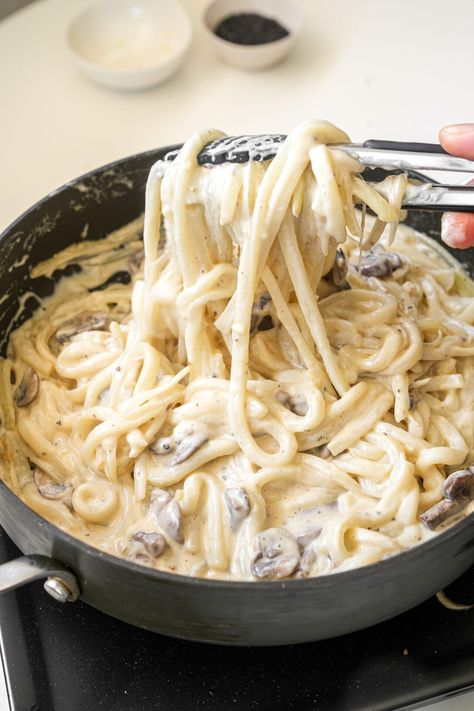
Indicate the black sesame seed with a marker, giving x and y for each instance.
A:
(250, 28)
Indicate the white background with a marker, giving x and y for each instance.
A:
(395, 70)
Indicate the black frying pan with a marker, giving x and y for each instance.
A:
(244, 613)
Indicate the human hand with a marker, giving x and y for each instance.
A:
(457, 228)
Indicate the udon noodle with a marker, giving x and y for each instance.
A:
(281, 390)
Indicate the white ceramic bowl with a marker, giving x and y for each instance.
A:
(259, 56)
(130, 44)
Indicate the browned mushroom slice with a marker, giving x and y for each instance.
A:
(307, 560)
(437, 514)
(458, 491)
(135, 261)
(51, 490)
(186, 447)
(297, 404)
(338, 273)
(308, 538)
(308, 551)
(28, 389)
(377, 263)
(260, 319)
(238, 504)
(168, 514)
(85, 321)
(459, 486)
(276, 554)
(153, 544)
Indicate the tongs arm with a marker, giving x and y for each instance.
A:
(405, 156)
(415, 157)
(427, 196)
(388, 155)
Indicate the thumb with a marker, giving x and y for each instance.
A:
(457, 229)
(458, 139)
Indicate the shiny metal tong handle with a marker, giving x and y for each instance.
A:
(388, 155)
(406, 156)
(372, 153)
(411, 157)
(439, 197)
(60, 582)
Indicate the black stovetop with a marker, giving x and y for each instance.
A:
(73, 658)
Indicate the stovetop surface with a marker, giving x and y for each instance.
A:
(72, 658)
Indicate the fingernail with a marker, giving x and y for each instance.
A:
(457, 129)
(453, 229)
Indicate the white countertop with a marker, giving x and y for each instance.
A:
(396, 70)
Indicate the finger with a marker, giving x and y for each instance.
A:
(458, 139)
(457, 229)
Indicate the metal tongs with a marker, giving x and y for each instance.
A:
(411, 158)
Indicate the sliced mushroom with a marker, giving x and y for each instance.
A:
(153, 544)
(51, 490)
(28, 389)
(85, 321)
(412, 399)
(458, 491)
(437, 514)
(459, 486)
(282, 397)
(339, 271)
(308, 552)
(378, 263)
(135, 261)
(297, 404)
(307, 560)
(159, 498)
(323, 452)
(183, 444)
(260, 319)
(186, 447)
(238, 504)
(276, 554)
(307, 539)
(168, 514)
(163, 445)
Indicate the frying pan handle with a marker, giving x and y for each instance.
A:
(60, 583)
